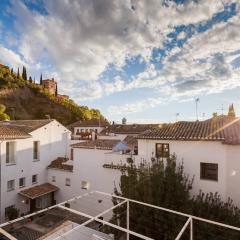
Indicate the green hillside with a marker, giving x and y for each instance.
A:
(26, 100)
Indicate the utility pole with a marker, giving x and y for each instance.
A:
(196, 102)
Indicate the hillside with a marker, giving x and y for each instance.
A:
(26, 100)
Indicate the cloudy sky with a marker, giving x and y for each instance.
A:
(144, 60)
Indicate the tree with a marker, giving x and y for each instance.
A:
(124, 121)
(41, 82)
(231, 111)
(24, 73)
(30, 79)
(56, 90)
(11, 70)
(3, 115)
(12, 213)
(164, 183)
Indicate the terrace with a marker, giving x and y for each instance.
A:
(94, 216)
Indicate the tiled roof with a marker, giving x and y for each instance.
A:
(20, 128)
(222, 128)
(38, 191)
(89, 123)
(102, 144)
(131, 141)
(60, 163)
(127, 128)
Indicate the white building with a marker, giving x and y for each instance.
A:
(86, 170)
(87, 130)
(27, 147)
(209, 149)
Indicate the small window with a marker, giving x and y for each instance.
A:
(34, 179)
(68, 182)
(209, 171)
(10, 152)
(85, 185)
(10, 185)
(53, 178)
(22, 182)
(36, 154)
(162, 150)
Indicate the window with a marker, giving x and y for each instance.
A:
(209, 171)
(10, 185)
(68, 182)
(71, 154)
(85, 185)
(34, 178)
(10, 152)
(36, 154)
(53, 178)
(22, 182)
(162, 150)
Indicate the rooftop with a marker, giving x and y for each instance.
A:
(15, 129)
(101, 144)
(38, 191)
(127, 128)
(61, 163)
(222, 128)
(90, 123)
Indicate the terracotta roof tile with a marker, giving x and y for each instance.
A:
(89, 123)
(222, 128)
(59, 164)
(127, 128)
(102, 144)
(20, 128)
(39, 190)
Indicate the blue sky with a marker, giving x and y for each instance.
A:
(143, 60)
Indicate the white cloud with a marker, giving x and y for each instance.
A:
(9, 57)
(102, 32)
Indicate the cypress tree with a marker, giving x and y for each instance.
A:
(30, 79)
(56, 90)
(24, 73)
(41, 79)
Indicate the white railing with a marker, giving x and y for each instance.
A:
(91, 218)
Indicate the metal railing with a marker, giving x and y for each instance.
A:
(97, 218)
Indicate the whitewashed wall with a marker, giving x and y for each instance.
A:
(87, 165)
(54, 142)
(192, 153)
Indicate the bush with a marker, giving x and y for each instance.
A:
(12, 213)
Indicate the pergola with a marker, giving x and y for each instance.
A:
(97, 207)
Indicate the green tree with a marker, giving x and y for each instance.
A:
(164, 183)
(30, 79)
(41, 82)
(56, 90)
(12, 213)
(24, 73)
(3, 115)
